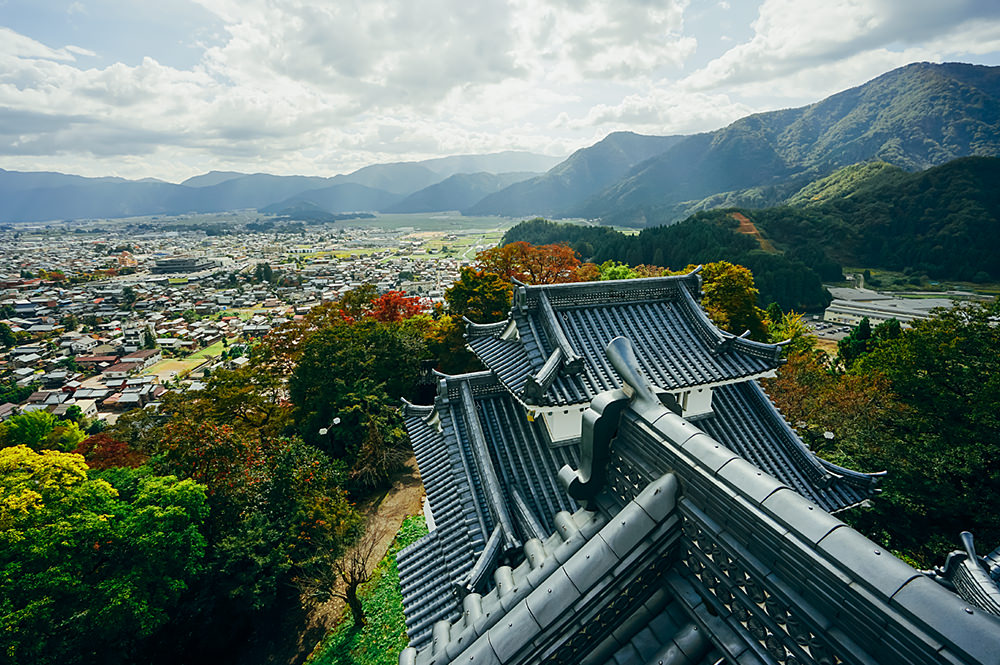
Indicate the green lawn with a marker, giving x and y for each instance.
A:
(171, 368)
(384, 633)
(213, 351)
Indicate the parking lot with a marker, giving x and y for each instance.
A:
(828, 330)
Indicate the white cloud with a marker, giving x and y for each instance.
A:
(19, 46)
(601, 38)
(793, 39)
(299, 86)
(79, 50)
(661, 111)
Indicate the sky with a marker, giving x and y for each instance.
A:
(173, 88)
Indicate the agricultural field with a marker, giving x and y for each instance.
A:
(445, 222)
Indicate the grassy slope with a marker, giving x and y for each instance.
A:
(384, 634)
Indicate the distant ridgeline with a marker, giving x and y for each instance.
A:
(941, 222)
(914, 117)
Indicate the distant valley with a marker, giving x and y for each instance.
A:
(44, 196)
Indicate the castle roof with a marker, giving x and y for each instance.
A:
(684, 552)
(491, 482)
(550, 350)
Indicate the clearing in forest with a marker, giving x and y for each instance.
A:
(748, 227)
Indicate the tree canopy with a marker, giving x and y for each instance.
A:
(88, 573)
(40, 430)
(531, 264)
(703, 238)
(921, 404)
(481, 296)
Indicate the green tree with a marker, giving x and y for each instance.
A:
(446, 342)
(271, 500)
(249, 398)
(358, 301)
(851, 348)
(942, 448)
(70, 322)
(69, 362)
(791, 328)
(730, 298)
(7, 338)
(40, 430)
(482, 297)
(887, 330)
(129, 297)
(262, 272)
(75, 414)
(614, 270)
(88, 575)
(345, 363)
(774, 314)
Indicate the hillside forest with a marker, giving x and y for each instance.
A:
(938, 224)
(202, 531)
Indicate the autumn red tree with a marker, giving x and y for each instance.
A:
(395, 306)
(103, 451)
(544, 264)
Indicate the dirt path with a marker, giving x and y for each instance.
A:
(297, 631)
(399, 502)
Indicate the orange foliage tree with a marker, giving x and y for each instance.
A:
(544, 264)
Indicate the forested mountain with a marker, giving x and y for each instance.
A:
(583, 173)
(846, 182)
(48, 196)
(914, 117)
(943, 222)
(703, 238)
(456, 192)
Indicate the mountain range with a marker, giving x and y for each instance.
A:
(911, 118)
(915, 117)
(42, 196)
